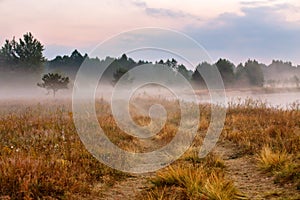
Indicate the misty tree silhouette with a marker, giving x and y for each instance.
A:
(54, 82)
(25, 54)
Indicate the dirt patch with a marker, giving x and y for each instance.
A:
(242, 169)
(128, 189)
(251, 181)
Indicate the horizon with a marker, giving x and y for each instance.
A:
(165, 58)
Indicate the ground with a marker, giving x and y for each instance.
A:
(242, 169)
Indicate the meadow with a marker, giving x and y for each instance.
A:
(42, 157)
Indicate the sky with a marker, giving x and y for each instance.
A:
(234, 29)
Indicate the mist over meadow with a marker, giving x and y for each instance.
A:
(23, 66)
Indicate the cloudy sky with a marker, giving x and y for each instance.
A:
(234, 29)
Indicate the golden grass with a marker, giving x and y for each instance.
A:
(204, 180)
(271, 161)
(41, 155)
(281, 164)
(273, 134)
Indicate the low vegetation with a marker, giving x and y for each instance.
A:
(41, 156)
(203, 179)
(272, 135)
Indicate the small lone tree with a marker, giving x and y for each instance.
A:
(54, 82)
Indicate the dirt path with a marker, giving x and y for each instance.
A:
(248, 178)
(128, 189)
(241, 169)
(132, 187)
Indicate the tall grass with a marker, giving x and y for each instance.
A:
(42, 156)
(282, 165)
(271, 133)
(272, 161)
(204, 180)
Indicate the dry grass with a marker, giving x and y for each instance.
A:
(202, 180)
(271, 133)
(272, 161)
(280, 164)
(41, 155)
(254, 125)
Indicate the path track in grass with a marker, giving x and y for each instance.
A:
(242, 169)
(128, 189)
(252, 182)
(132, 187)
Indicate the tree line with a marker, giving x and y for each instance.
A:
(248, 74)
(26, 55)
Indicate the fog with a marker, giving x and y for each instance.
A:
(19, 92)
(157, 83)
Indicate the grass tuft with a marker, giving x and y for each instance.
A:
(271, 161)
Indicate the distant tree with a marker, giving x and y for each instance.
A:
(197, 78)
(30, 50)
(68, 65)
(241, 76)
(255, 73)
(141, 62)
(170, 63)
(54, 82)
(173, 63)
(118, 67)
(76, 59)
(271, 83)
(124, 57)
(296, 80)
(225, 68)
(183, 71)
(160, 62)
(118, 74)
(27, 53)
(7, 52)
(72, 62)
(125, 62)
(239, 70)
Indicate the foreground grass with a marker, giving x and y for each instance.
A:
(41, 155)
(203, 179)
(285, 167)
(272, 135)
